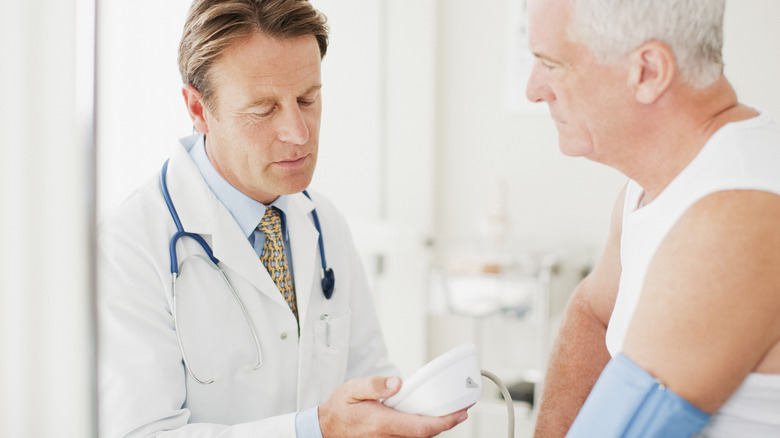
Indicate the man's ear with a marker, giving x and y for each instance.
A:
(651, 70)
(196, 108)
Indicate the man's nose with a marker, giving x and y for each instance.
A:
(537, 90)
(292, 127)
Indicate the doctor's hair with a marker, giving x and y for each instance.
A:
(213, 25)
(692, 29)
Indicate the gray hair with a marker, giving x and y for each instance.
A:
(693, 30)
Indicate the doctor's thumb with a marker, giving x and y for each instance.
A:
(392, 386)
(378, 388)
(371, 388)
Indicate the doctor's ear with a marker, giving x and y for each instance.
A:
(196, 108)
(652, 67)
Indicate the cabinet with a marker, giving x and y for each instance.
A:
(504, 308)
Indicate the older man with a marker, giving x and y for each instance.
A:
(680, 319)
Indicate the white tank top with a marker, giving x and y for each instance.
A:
(740, 155)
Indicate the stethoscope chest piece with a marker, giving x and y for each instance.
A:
(328, 282)
(328, 278)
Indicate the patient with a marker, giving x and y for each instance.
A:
(682, 312)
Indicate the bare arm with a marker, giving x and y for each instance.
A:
(580, 353)
(708, 314)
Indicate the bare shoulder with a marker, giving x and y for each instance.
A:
(727, 238)
(709, 313)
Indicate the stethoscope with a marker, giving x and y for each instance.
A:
(328, 279)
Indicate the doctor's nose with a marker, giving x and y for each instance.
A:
(292, 127)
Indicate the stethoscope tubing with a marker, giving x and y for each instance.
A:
(328, 279)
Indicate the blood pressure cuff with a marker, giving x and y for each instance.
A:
(628, 402)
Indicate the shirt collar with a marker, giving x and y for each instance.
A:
(246, 211)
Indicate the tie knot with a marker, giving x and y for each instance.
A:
(271, 223)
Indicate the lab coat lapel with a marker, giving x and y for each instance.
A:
(189, 193)
(202, 213)
(303, 247)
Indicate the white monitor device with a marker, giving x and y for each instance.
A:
(449, 383)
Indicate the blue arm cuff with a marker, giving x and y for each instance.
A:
(628, 402)
(307, 424)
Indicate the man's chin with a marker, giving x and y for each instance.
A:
(572, 148)
(295, 185)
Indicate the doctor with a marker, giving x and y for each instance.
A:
(268, 349)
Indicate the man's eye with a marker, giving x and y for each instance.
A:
(263, 112)
(307, 100)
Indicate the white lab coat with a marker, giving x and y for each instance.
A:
(143, 386)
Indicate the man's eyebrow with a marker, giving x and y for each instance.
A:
(265, 100)
(312, 89)
(545, 57)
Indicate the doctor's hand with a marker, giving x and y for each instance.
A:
(354, 410)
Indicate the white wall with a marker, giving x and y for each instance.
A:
(141, 112)
(46, 208)
(352, 101)
(750, 50)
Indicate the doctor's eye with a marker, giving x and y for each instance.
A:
(263, 112)
(308, 99)
(266, 113)
(306, 102)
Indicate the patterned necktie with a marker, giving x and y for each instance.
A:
(274, 258)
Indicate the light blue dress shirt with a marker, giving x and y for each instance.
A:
(248, 212)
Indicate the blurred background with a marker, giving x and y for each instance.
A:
(473, 227)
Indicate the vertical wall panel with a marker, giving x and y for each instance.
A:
(46, 209)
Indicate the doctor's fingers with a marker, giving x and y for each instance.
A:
(370, 388)
(419, 426)
(371, 418)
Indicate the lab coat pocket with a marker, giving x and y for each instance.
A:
(331, 337)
